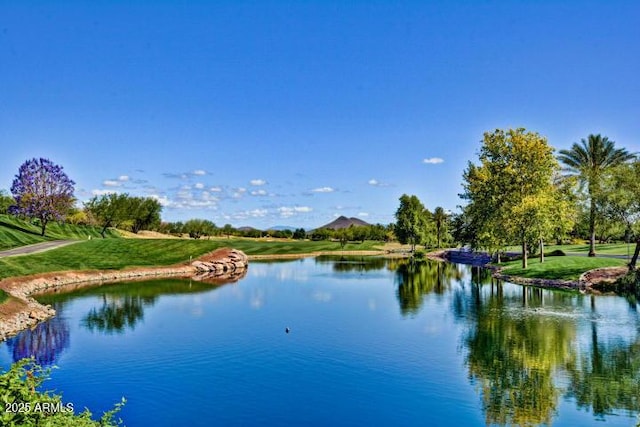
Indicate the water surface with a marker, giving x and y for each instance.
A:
(371, 342)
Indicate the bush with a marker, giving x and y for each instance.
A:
(557, 252)
(24, 405)
(629, 283)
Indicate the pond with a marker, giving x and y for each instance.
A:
(371, 341)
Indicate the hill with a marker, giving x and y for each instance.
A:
(15, 232)
(344, 222)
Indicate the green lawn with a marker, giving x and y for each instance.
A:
(603, 249)
(15, 232)
(116, 254)
(562, 267)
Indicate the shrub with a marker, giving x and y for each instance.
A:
(24, 405)
(557, 252)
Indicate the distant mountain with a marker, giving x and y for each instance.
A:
(246, 228)
(344, 222)
(282, 228)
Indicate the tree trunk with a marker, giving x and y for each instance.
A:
(524, 254)
(43, 226)
(634, 259)
(541, 251)
(104, 229)
(592, 228)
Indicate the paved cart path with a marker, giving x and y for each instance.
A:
(37, 247)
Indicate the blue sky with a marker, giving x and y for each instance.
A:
(266, 113)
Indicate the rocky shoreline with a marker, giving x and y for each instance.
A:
(22, 311)
(584, 284)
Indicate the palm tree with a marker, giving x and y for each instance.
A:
(439, 218)
(588, 161)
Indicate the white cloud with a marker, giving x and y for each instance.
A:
(257, 182)
(323, 190)
(374, 182)
(215, 189)
(258, 213)
(365, 214)
(199, 185)
(205, 195)
(433, 160)
(239, 192)
(111, 183)
(102, 192)
(287, 211)
(260, 192)
(199, 172)
(123, 178)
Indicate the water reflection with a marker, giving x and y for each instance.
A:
(607, 378)
(121, 308)
(520, 341)
(346, 264)
(45, 342)
(117, 313)
(416, 279)
(513, 357)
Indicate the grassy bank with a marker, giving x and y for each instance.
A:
(559, 268)
(105, 254)
(16, 232)
(601, 249)
(3, 296)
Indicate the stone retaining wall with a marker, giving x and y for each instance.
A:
(27, 313)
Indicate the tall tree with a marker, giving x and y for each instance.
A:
(42, 190)
(411, 221)
(144, 212)
(589, 161)
(6, 201)
(623, 201)
(440, 219)
(511, 192)
(109, 209)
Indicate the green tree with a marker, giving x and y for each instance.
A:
(589, 161)
(299, 234)
(6, 201)
(228, 230)
(42, 191)
(511, 192)
(411, 221)
(198, 228)
(623, 201)
(109, 209)
(144, 213)
(440, 219)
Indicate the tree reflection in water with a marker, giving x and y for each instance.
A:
(45, 342)
(417, 279)
(519, 340)
(513, 356)
(117, 313)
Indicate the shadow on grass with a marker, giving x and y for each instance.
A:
(17, 228)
